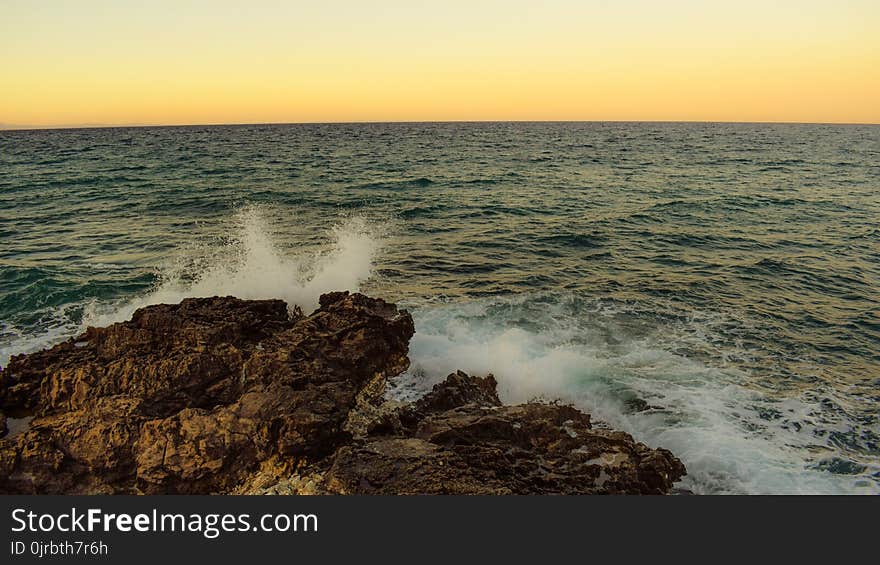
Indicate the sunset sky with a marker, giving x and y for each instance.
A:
(197, 62)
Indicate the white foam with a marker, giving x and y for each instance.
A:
(251, 265)
(14, 341)
(556, 346)
(704, 414)
(246, 262)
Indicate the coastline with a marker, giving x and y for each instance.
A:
(221, 395)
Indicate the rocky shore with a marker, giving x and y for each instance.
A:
(221, 395)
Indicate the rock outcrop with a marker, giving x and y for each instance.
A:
(221, 395)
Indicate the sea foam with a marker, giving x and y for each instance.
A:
(250, 264)
(539, 345)
(554, 347)
(245, 261)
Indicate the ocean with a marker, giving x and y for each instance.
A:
(710, 288)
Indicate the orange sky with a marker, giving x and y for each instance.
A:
(162, 62)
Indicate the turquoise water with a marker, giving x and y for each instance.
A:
(711, 288)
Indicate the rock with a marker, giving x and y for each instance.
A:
(636, 404)
(221, 395)
(195, 397)
(459, 439)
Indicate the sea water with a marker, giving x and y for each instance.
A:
(709, 288)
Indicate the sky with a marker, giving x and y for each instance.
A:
(91, 62)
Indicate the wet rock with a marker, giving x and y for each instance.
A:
(636, 404)
(460, 439)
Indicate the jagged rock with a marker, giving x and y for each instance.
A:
(194, 397)
(221, 395)
(460, 439)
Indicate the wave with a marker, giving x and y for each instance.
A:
(658, 374)
(420, 182)
(604, 359)
(250, 264)
(245, 261)
(56, 325)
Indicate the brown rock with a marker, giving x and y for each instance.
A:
(192, 398)
(460, 439)
(221, 395)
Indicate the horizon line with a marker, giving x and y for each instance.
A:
(16, 127)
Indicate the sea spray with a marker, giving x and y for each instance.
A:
(607, 361)
(247, 261)
(249, 264)
(511, 264)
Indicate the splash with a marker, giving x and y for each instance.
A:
(732, 438)
(249, 263)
